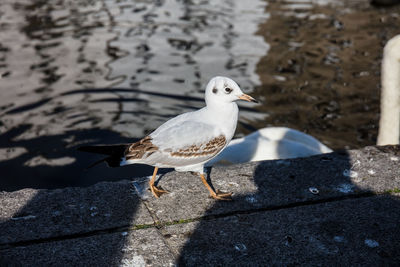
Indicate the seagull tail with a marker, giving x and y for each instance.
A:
(115, 153)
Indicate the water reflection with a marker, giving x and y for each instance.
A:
(321, 74)
(176, 46)
(127, 66)
(118, 65)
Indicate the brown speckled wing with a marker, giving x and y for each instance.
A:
(141, 149)
(209, 149)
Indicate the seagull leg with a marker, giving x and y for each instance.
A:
(157, 192)
(218, 194)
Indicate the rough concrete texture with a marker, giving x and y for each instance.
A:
(133, 248)
(280, 182)
(338, 208)
(38, 214)
(357, 231)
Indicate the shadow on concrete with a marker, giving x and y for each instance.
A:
(285, 223)
(53, 162)
(80, 225)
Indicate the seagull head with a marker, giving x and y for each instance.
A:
(224, 90)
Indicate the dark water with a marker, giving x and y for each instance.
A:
(90, 72)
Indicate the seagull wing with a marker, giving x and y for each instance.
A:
(179, 144)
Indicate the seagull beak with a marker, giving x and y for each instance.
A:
(247, 98)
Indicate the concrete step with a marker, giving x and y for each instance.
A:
(333, 208)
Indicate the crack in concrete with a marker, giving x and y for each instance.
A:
(159, 225)
(156, 224)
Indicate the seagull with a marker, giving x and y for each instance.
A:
(186, 142)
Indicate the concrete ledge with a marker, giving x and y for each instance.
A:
(332, 208)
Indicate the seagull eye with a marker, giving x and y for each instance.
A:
(228, 90)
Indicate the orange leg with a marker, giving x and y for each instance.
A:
(218, 194)
(157, 192)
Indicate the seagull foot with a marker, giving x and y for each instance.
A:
(157, 191)
(219, 195)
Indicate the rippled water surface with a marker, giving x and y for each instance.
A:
(78, 72)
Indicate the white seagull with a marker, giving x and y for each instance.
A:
(187, 141)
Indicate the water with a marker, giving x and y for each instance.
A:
(79, 72)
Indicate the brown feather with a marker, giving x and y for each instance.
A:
(141, 149)
(210, 148)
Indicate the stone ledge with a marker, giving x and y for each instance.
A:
(98, 224)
